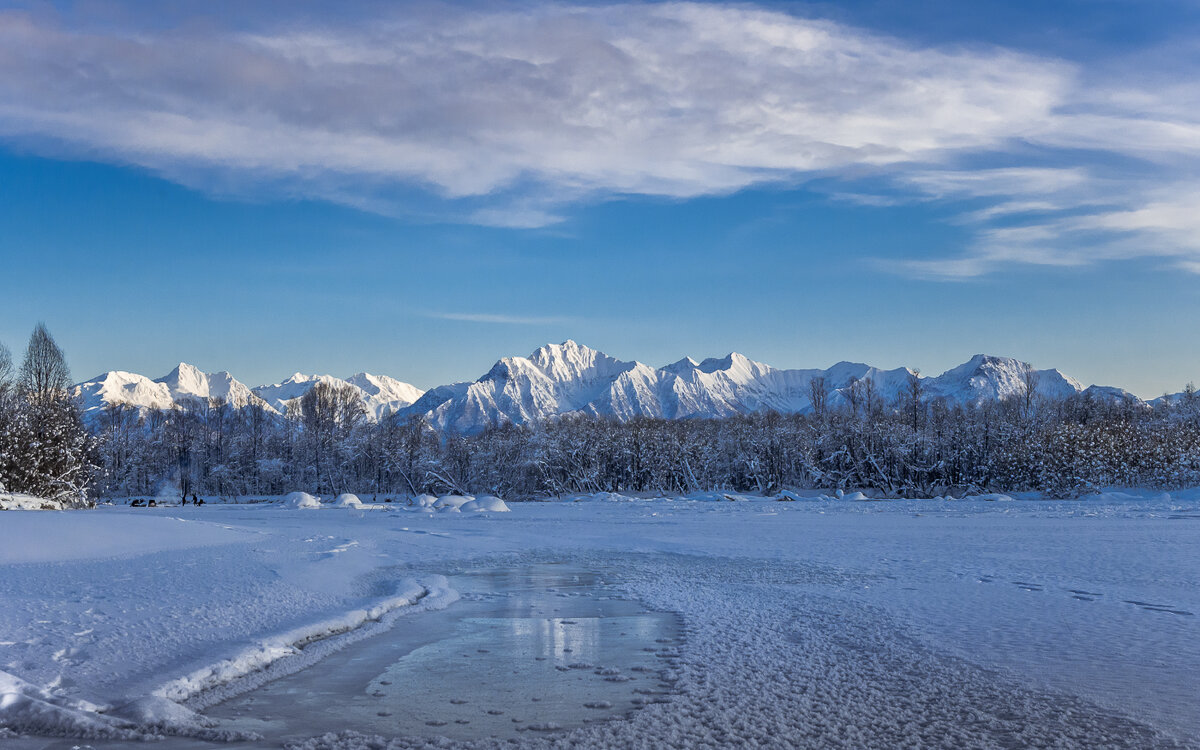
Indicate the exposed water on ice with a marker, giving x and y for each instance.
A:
(527, 650)
(533, 649)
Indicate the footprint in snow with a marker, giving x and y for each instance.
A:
(1161, 608)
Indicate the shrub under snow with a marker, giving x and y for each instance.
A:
(17, 501)
(489, 503)
(301, 500)
(347, 500)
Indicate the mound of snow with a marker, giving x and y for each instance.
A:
(452, 501)
(15, 501)
(424, 501)
(347, 500)
(485, 503)
(301, 500)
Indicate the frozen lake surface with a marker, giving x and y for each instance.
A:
(828, 624)
(537, 648)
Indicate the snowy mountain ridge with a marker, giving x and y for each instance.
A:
(569, 378)
(188, 384)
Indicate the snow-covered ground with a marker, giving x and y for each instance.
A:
(986, 622)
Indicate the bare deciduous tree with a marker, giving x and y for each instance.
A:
(914, 398)
(1029, 382)
(6, 369)
(817, 394)
(44, 373)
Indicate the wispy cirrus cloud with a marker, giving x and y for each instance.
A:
(512, 114)
(498, 318)
(674, 100)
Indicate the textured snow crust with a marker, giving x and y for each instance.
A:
(771, 661)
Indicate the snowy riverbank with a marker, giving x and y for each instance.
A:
(845, 610)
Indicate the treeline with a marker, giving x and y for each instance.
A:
(326, 444)
(905, 449)
(45, 450)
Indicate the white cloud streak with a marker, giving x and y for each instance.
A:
(497, 318)
(517, 112)
(674, 100)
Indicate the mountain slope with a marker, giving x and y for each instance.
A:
(185, 384)
(987, 378)
(119, 387)
(380, 394)
(188, 383)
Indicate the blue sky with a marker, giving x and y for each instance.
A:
(418, 190)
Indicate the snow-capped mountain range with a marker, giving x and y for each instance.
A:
(567, 378)
(186, 383)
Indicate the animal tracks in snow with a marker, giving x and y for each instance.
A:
(1084, 595)
(1159, 608)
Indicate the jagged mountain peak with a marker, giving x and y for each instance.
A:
(183, 373)
(990, 377)
(383, 392)
(570, 360)
(687, 364)
(380, 394)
